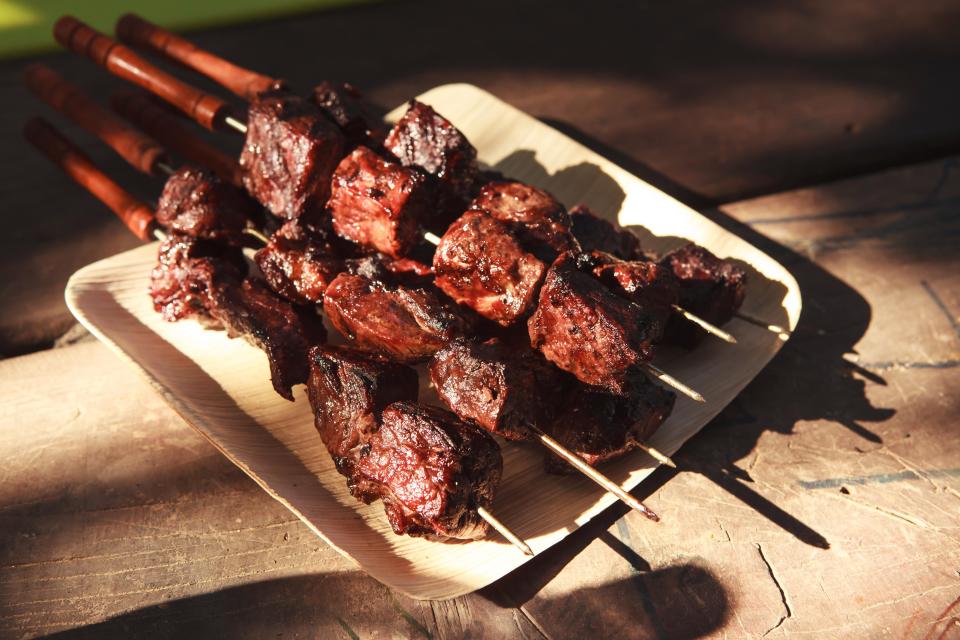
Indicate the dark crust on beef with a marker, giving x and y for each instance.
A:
(432, 472)
(379, 204)
(299, 263)
(650, 285)
(290, 154)
(346, 107)
(197, 203)
(348, 390)
(481, 265)
(597, 234)
(585, 329)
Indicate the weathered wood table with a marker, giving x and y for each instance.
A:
(824, 503)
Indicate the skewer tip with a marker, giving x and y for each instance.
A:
(668, 379)
(511, 537)
(657, 455)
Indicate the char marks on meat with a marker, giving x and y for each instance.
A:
(431, 470)
(348, 390)
(290, 154)
(481, 265)
(709, 287)
(423, 138)
(378, 203)
(497, 386)
(187, 270)
(596, 234)
(537, 218)
(197, 203)
(345, 105)
(648, 284)
(598, 425)
(397, 317)
(585, 329)
(300, 261)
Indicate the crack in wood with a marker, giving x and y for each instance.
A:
(788, 611)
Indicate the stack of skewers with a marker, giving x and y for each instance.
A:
(536, 323)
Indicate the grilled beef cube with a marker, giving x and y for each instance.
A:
(584, 328)
(197, 203)
(496, 386)
(709, 287)
(289, 155)
(596, 234)
(187, 269)
(404, 323)
(600, 426)
(423, 138)
(356, 117)
(348, 390)
(535, 217)
(480, 264)
(377, 203)
(432, 472)
(299, 262)
(648, 284)
(283, 331)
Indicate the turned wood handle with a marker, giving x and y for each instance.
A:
(140, 109)
(247, 84)
(124, 63)
(136, 215)
(139, 150)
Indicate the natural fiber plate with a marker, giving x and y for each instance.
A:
(221, 386)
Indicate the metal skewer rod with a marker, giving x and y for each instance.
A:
(602, 480)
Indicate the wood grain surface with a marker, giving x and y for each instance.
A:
(713, 101)
(823, 503)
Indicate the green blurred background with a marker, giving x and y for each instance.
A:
(25, 25)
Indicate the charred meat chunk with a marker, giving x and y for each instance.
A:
(709, 287)
(432, 472)
(289, 155)
(648, 284)
(299, 262)
(348, 390)
(404, 323)
(356, 117)
(537, 218)
(599, 426)
(197, 203)
(584, 328)
(283, 331)
(596, 234)
(423, 138)
(377, 203)
(187, 269)
(501, 388)
(480, 264)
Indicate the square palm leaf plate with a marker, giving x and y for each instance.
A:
(221, 386)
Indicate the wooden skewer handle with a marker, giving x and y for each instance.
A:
(135, 214)
(143, 112)
(136, 148)
(124, 63)
(247, 84)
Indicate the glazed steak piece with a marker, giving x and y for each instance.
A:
(596, 234)
(648, 284)
(533, 215)
(432, 472)
(379, 204)
(348, 390)
(299, 262)
(290, 153)
(709, 287)
(480, 264)
(187, 270)
(600, 426)
(402, 322)
(197, 203)
(283, 331)
(346, 106)
(584, 328)
(423, 138)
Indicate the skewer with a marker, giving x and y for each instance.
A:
(602, 480)
(772, 328)
(140, 219)
(703, 324)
